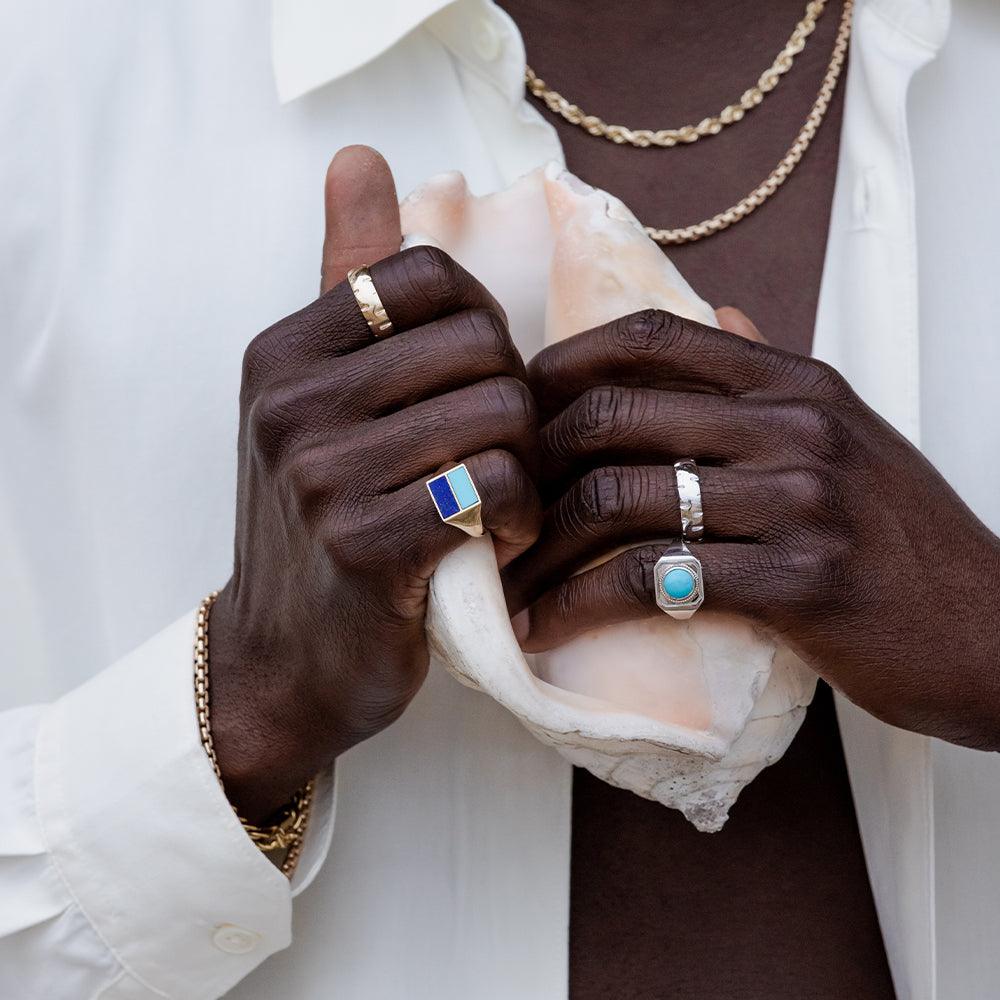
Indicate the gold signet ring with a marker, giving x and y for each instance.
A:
(369, 302)
(457, 500)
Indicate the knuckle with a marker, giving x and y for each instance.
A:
(431, 275)
(645, 333)
(599, 410)
(511, 501)
(602, 496)
(635, 577)
(500, 471)
(820, 575)
(258, 360)
(273, 352)
(409, 551)
(824, 380)
(544, 368)
(347, 542)
(272, 422)
(490, 338)
(783, 368)
(310, 482)
(821, 429)
(814, 494)
(510, 399)
(306, 482)
(591, 423)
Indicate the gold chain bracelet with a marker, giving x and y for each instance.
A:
(288, 833)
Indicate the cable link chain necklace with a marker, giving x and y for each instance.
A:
(665, 138)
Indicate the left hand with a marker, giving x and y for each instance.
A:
(822, 523)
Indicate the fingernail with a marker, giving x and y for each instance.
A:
(734, 320)
(522, 625)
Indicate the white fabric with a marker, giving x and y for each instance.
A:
(159, 207)
(957, 223)
(867, 328)
(99, 897)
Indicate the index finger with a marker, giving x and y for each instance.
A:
(654, 349)
(416, 286)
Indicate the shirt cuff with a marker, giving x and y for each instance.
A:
(144, 837)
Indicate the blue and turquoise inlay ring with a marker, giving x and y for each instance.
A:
(680, 590)
(457, 500)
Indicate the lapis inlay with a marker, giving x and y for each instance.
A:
(678, 584)
(444, 498)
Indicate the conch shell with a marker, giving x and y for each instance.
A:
(686, 713)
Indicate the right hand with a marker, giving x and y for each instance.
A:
(317, 641)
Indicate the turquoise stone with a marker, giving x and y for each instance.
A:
(678, 584)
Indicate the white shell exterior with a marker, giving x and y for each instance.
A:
(686, 713)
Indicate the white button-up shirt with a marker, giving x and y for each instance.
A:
(160, 205)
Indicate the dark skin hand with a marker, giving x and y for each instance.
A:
(806, 925)
(822, 523)
(317, 641)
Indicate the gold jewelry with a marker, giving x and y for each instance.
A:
(288, 833)
(457, 500)
(667, 137)
(778, 176)
(369, 302)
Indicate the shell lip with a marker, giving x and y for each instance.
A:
(532, 700)
(609, 724)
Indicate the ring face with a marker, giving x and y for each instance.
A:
(689, 494)
(457, 500)
(369, 302)
(680, 589)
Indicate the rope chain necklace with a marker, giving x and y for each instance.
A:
(666, 138)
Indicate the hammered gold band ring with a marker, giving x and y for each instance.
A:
(369, 302)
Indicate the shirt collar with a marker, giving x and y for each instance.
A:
(313, 42)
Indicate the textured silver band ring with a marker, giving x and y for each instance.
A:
(689, 494)
(369, 302)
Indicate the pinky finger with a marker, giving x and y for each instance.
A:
(738, 578)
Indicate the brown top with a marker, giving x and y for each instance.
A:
(775, 907)
(778, 905)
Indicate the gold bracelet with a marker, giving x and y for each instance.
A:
(288, 833)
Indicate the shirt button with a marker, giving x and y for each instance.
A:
(234, 940)
(486, 40)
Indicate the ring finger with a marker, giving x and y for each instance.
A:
(412, 366)
(494, 413)
(742, 579)
(623, 505)
(511, 511)
(610, 424)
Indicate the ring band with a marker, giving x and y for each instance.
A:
(457, 500)
(369, 302)
(680, 588)
(689, 494)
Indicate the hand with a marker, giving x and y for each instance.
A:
(317, 641)
(822, 523)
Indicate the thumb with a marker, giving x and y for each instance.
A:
(362, 213)
(732, 320)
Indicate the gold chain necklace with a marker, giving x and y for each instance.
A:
(728, 116)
